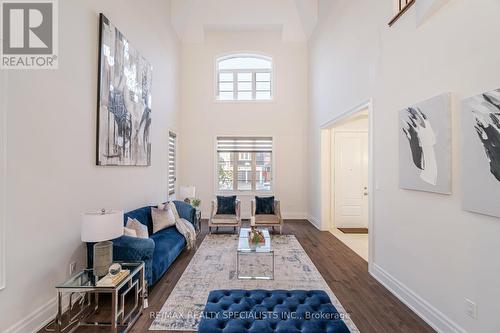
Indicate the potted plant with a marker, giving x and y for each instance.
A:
(195, 203)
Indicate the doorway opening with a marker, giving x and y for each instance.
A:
(346, 179)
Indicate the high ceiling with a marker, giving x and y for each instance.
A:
(296, 19)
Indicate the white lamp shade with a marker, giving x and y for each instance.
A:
(99, 226)
(187, 191)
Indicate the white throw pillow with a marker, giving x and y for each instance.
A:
(140, 229)
(172, 206)
(162, 218)
(129, 232)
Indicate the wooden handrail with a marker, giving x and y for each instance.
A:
(404, 5)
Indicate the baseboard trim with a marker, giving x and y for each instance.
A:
(314, 221)
(39, 318)
(294, 216)
(432, 316)
(36, 320)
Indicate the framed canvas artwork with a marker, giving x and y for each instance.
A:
(425, 146)
(124, 101)
(481, 153)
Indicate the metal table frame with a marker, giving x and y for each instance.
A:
(82, 307)
(253, 252)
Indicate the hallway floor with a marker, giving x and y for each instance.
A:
(356, 242)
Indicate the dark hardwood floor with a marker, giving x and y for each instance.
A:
(354, 230)
(372, 308)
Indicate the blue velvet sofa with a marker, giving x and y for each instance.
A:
(158, 251)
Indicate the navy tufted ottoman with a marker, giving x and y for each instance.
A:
(263, 311)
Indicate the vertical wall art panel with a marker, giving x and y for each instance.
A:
(425, 146)
(481, 153)
(124, 106)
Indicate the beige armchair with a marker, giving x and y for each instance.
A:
(223, 220)
(267, 220)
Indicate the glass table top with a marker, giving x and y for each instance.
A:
(244, 243)
(86, 279)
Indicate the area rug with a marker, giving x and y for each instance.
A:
(214, 267)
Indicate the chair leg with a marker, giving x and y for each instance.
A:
(280, 230)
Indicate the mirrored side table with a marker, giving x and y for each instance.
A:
(127, 301)
(197, 222)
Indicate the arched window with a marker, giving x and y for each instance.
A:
(244, 77)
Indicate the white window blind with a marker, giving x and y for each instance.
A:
(244, 144)
(244, 163)
(172, 160)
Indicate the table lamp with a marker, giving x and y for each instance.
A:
(100, 227)
(187, 192)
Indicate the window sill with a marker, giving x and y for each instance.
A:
(245, 101)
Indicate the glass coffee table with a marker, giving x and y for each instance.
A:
(127, 301)
(254, 261)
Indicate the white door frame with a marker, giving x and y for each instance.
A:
(326, 173)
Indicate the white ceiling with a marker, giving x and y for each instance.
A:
(296, 19)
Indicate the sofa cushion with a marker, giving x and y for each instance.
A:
(224, 219)
(264, 205)
(226, 205)
(169, 243)
(267, 219)
(259, 311)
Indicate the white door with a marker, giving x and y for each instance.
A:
(350, 179)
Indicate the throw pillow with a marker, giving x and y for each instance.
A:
(140, 229)
(129, 232)
(226, 205)
(172, 206)
(264, 205)
(162, 218)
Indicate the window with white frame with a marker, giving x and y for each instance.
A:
(244, 164)
(244, 77)
(172, 160)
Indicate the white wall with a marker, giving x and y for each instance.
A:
(52, 177)
(434, 256)
(284, 118)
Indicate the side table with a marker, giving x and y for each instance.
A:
(197, 222)
(123, 313)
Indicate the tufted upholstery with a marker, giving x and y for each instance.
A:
(158, 251)
(263, 311)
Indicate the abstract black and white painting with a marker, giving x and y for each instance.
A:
(481, 153)
(124, 101)
(425, 146)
